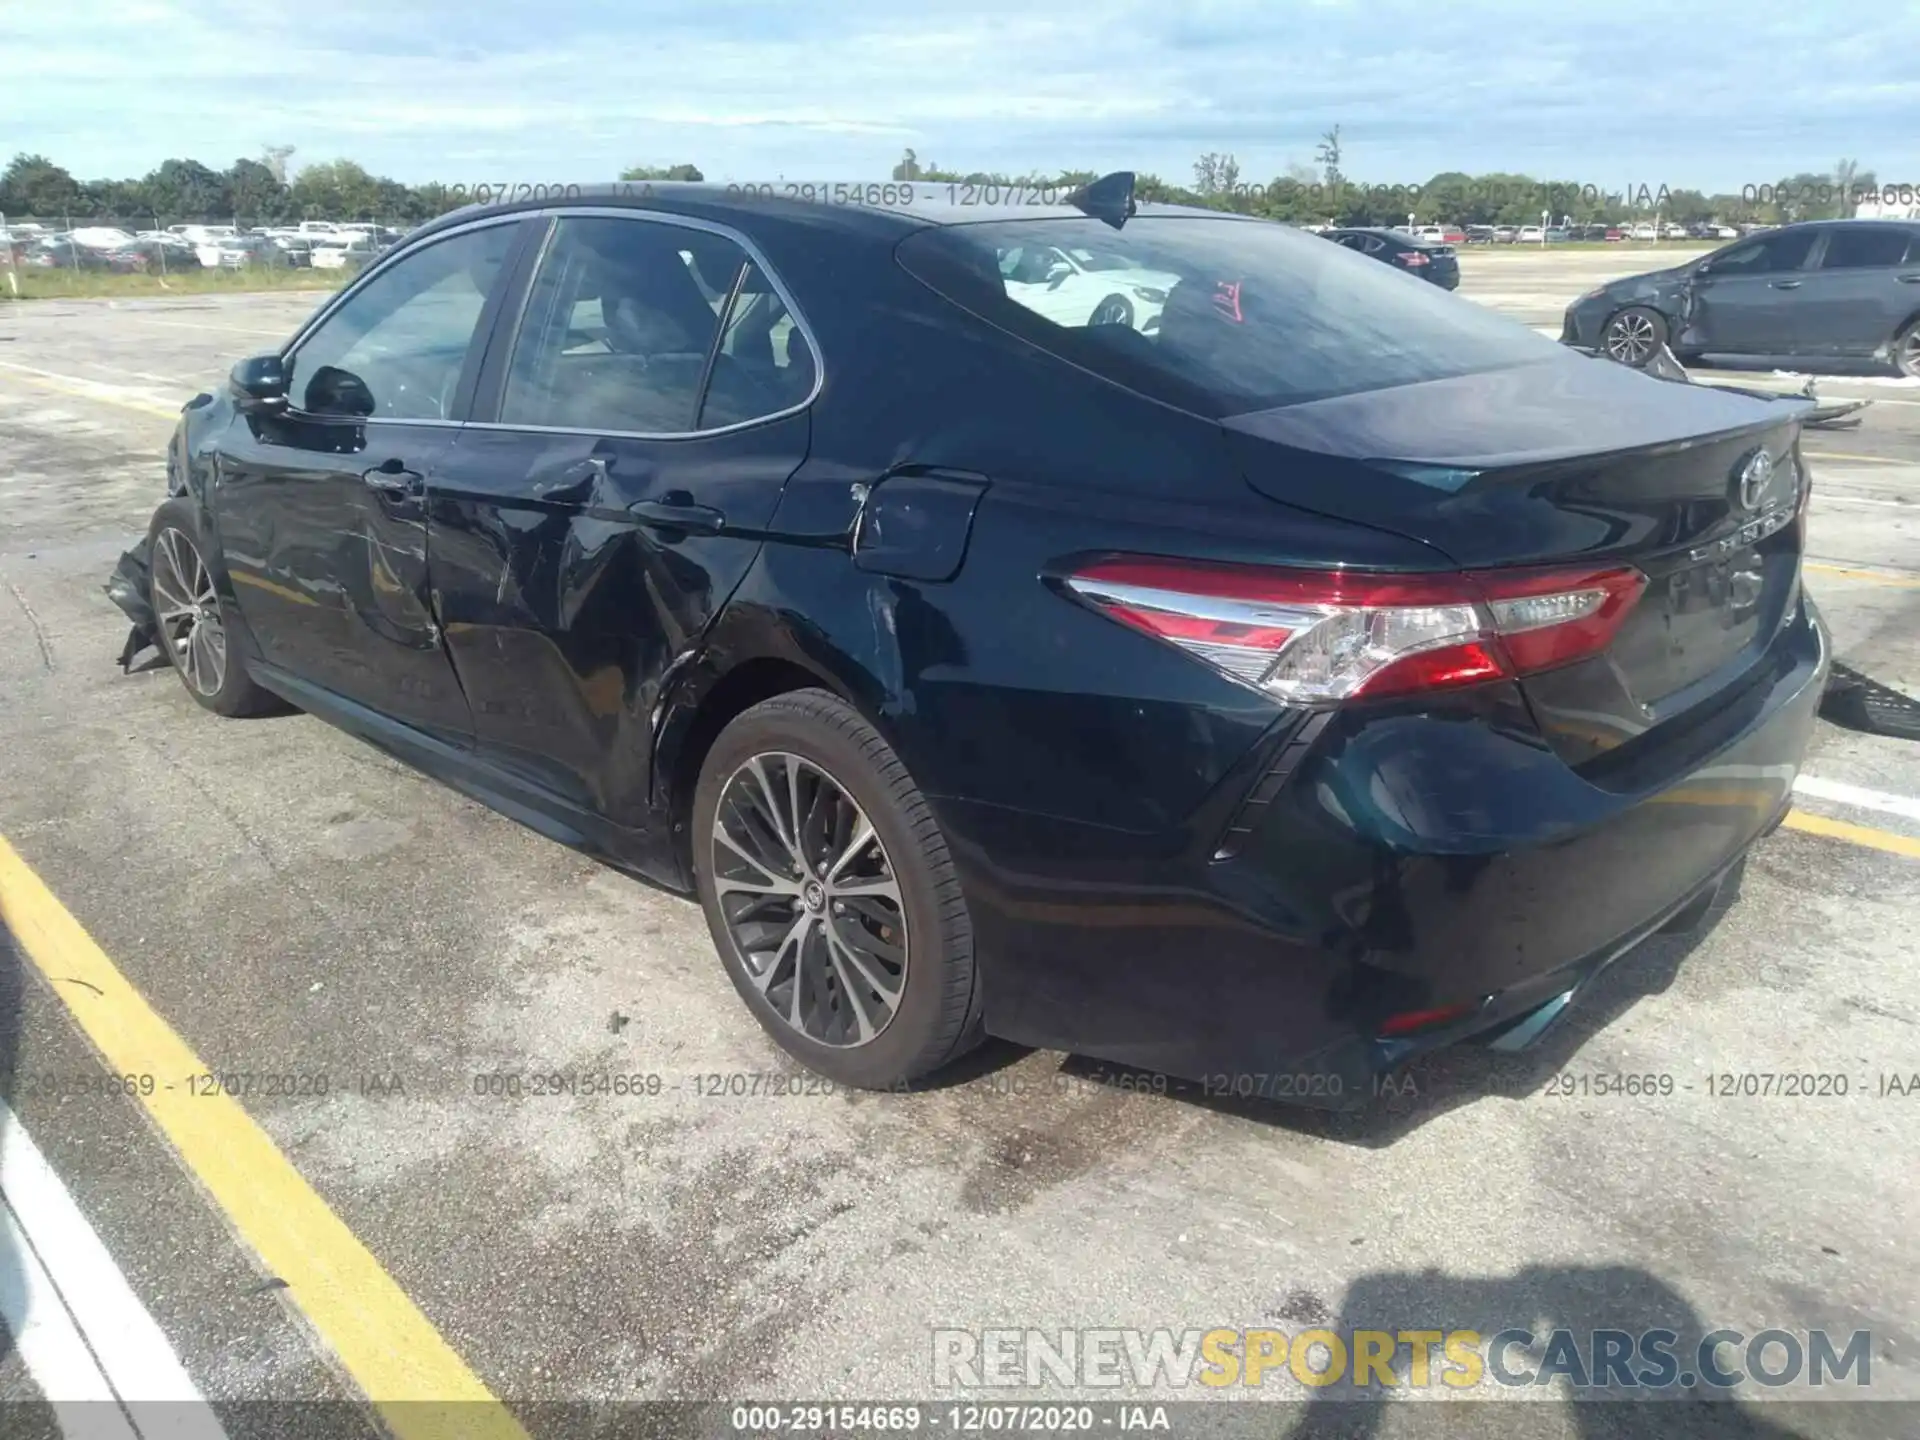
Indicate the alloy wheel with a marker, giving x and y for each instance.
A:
(1630, 339)
(1908, 355)
(188, 610)
(810, 899)
(1114, 310)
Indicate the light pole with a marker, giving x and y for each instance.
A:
(1545, 215)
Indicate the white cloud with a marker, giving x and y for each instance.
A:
(1642, 92)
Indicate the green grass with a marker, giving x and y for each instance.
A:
(36, 284)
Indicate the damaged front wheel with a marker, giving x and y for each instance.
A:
(190, 623)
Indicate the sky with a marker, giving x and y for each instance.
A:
(1696, 93)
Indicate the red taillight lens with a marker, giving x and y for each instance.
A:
(1321, 636)
(1409, 1021)
(1413, 258)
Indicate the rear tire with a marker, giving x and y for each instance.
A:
(191, 620)
(810, 925)
(1634, 335)
(1114, 310)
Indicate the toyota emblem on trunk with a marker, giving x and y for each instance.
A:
(1754, 477)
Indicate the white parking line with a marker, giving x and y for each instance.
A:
(1841, 793)
(100, 1359)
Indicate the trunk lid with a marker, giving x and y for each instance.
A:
(1575, 461)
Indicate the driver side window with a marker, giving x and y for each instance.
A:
(1787, 250)
(395, 349)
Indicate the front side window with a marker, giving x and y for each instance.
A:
(619, 327)
(1865, 247)
(394, 350)
(1225, 316)
(1787, 250)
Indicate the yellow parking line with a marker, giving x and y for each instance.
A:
(1872, 577)
(1853, 834)
(422, 1389)
(87, 390)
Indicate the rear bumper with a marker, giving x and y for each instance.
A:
(1362, 867)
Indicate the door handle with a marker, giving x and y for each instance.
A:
(676, 513)
(1909, 279)
(1788, 284)
(391, 477)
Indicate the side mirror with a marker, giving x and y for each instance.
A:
(259, 383)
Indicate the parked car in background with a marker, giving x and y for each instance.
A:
(1480, 235)
(152, 256)
(1557, 235)
(1338, 673)
(343, 252)
(58, 252)
(243, 252)
(1843, 291)
(1505, 234)
(1426, 258)
(100, 237)
(1645, 230)
(1531, 235)
(1084, 285)
(297, 248)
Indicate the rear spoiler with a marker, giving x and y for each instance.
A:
(1830, 415)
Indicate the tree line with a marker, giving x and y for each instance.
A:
(252, 191)
(261, 191)
(1324, 193)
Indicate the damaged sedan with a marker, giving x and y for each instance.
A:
(1337, 671)
(1839, 294)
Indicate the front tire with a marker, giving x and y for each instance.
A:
(1114, 310)
(191, 624)
(830, 894)
(1634, 335)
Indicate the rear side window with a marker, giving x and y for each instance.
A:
(1221, 316)
(764, 364)
(1865, 247)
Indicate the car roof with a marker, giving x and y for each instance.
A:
(930, 207)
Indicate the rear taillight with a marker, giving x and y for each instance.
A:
(1412, 258)
(1321, 636)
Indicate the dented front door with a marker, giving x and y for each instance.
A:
(323, 527)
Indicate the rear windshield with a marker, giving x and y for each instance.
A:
(1218, 316)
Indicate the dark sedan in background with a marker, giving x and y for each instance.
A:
(1428, 259)
(1839, 293)
(1339, 671)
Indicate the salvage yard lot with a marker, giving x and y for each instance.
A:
(293, 903)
